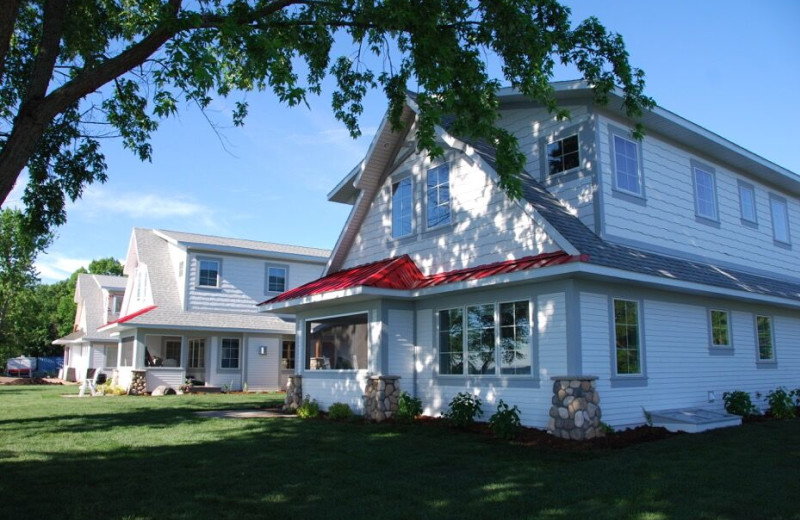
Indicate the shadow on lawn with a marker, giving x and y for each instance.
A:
(288, 468)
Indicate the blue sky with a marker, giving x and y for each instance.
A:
(732, 67)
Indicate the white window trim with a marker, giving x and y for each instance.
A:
(554, 139)
(497, 350)
(778, 200)
(642, 374)
(238, 366)
(711, 172)
(743, 186)
(712, 346)
(449, 202)
(397, 180)
(285, 268)
(218, 261)
(774, 359)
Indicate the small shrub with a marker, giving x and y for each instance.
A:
(739, 403)
(309, 409)
(407, 407)
(781, 403)
(505, 422)
(464, 408)
(606, 428)
(340, 412)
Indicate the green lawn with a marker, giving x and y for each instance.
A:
(152, 458)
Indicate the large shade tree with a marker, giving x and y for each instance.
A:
(74, 71)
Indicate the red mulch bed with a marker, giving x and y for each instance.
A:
(537, 437)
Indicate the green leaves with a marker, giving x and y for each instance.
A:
(124, 64)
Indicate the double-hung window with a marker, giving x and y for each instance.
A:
(276, 278)
(438, 194)
(747, 203)
(229, 356)
(208, 272)
(720, 328)
(766, 347)
(627, 338)
(485, 339)
(705, 193)
(401, 207)
(627, 174)
(779, 210)
(563, 155)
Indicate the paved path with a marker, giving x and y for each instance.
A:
(243, 414)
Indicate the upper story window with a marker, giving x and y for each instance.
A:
(438, 186)
(705, 192)
(401, 207)
(115, 303)
(563, 155)
(277, 276)
(141, 283)
(779, 209)
(627, 338)
(627, 174)
(208, 272)
(720, 329)
(472, 341)
(747, 202)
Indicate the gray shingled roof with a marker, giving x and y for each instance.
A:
(239, 243)
(153, 252)
(607, 254)
(89, 288)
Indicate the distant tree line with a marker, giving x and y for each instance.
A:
(34, 314)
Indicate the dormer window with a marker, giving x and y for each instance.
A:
(563, 155)
(208, 272)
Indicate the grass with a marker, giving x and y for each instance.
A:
(153, 458)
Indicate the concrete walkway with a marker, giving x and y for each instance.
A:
(243, 414)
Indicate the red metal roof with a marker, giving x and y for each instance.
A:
(128, 317)
(402, 273)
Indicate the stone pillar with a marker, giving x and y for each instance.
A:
(380, 397)
(138, 382)
(575, 413)
(294, 392)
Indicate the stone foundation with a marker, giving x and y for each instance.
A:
(575, 413)
(138, 383)
(380, 397)
(294, 393)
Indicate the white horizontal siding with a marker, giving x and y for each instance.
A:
(488, 227)
(262, 370)
(680, 368)
(243, 283)
(337, 389)
(400, 342)
(668, 219)
(171, 377)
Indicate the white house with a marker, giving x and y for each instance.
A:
(658, 273)
(190, 312)
(99, 301)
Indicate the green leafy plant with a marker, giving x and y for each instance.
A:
(782, 403)
(339, 412)
(309, 409)
(606, 428)
(738, 403)
(464, 408)
(408, 407)
(505, 422)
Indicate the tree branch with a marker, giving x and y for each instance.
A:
(8, 16)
